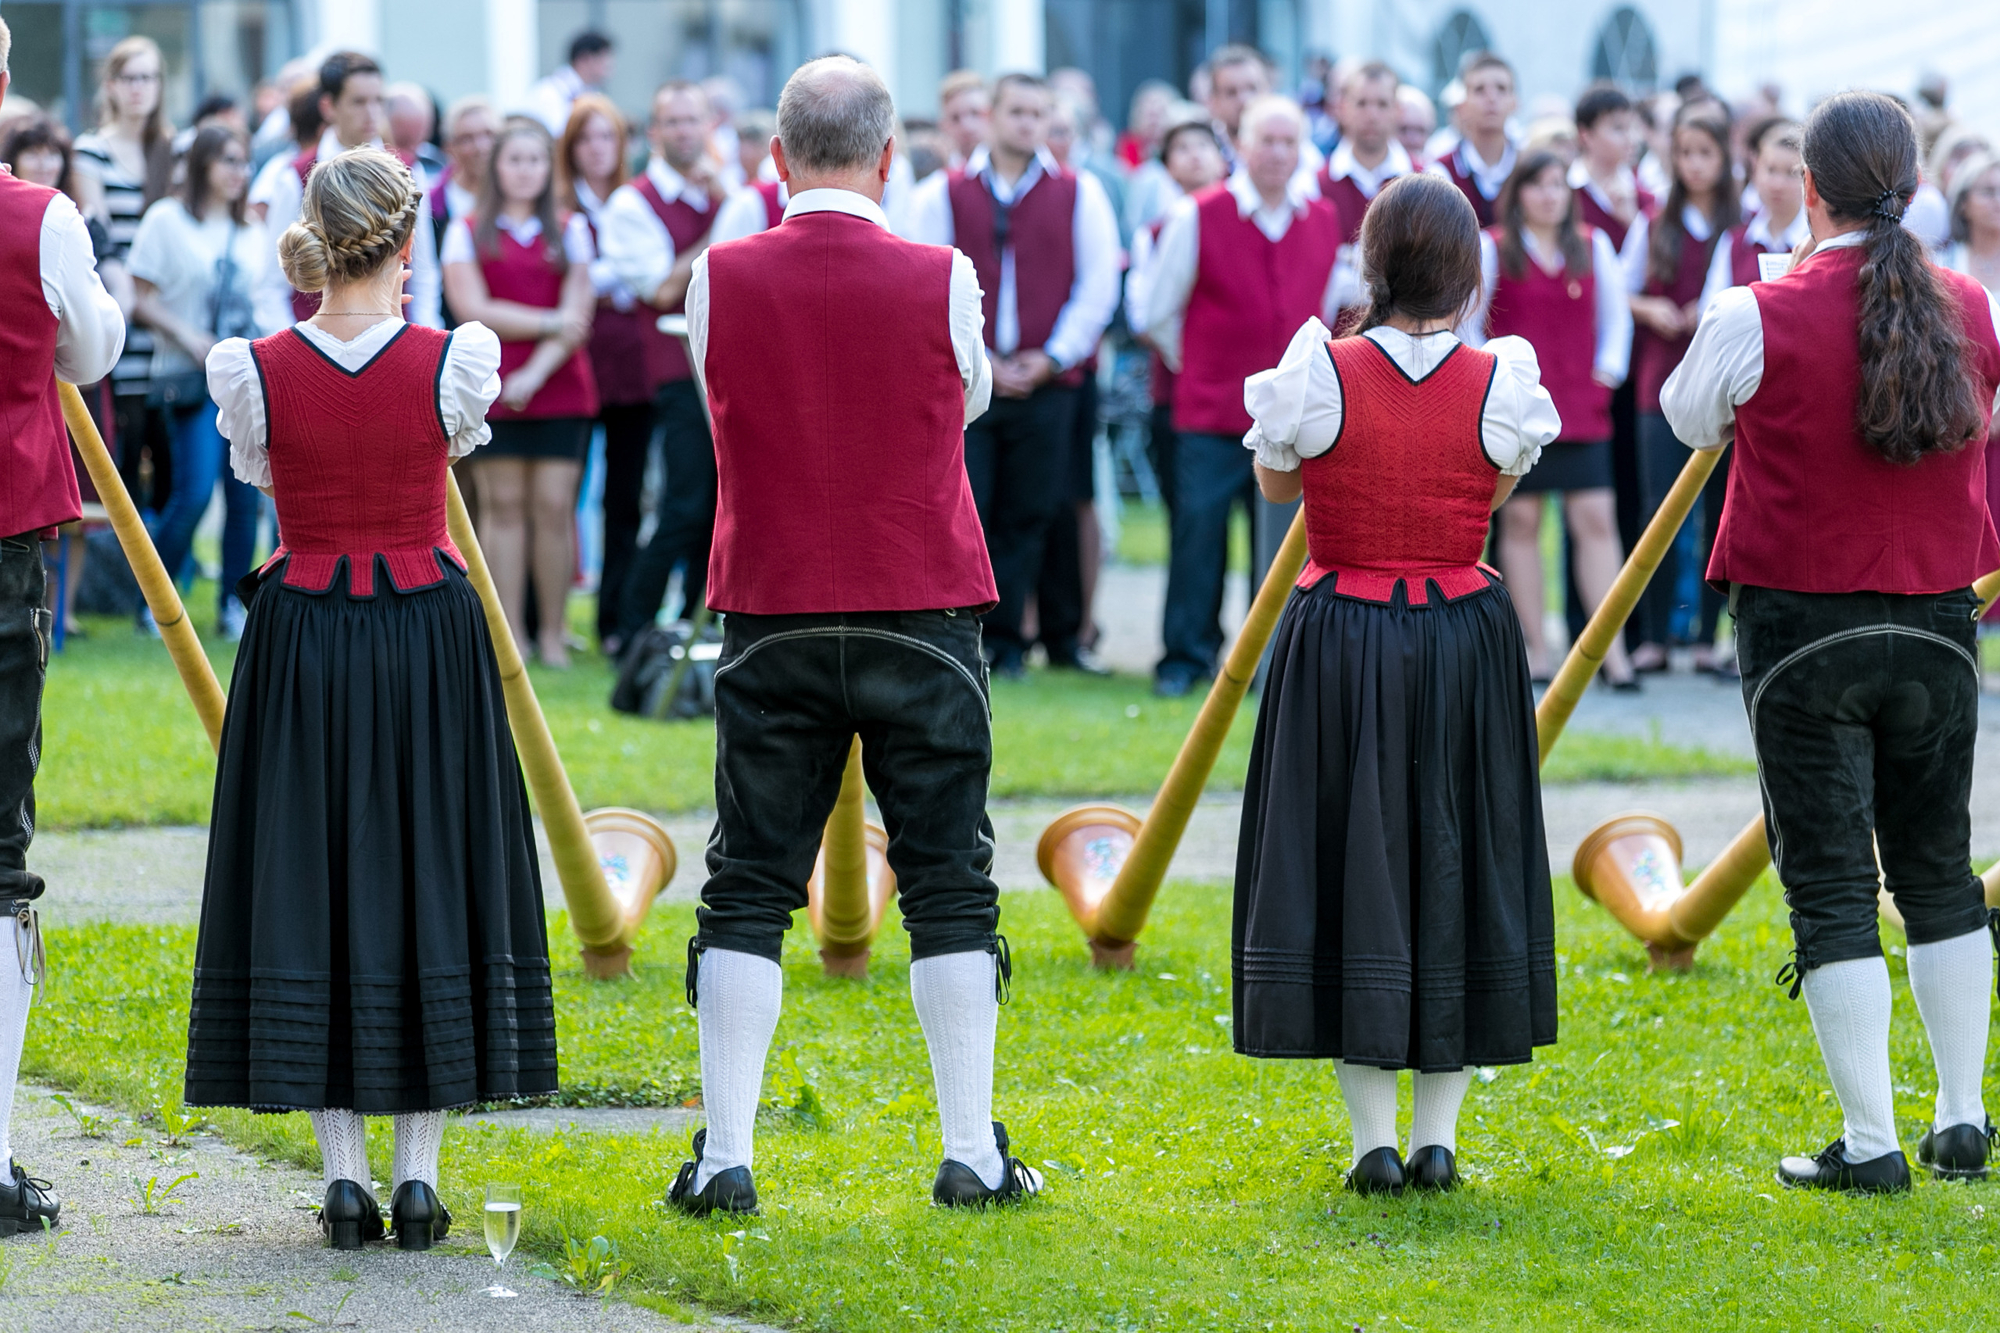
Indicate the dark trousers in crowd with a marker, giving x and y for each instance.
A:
(25, 625)
(1863, 708)
(1062, 611)
(1160, 440)
(791, 693)
(684, 520)
(1661, 458)
(1713, 492)
(1212, 474)
(628, 437)
(1625, 482)
(1016, 457)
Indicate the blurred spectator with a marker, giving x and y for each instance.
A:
(964, 112)
(1153, 188)
(1928, 214)
(195, 261)
(725, 99)
(1238, 76)
(591, 58)
(1070, 146)
(1416, 121)
(1484, 156)
(469, 127)
(1319, 88)
(412, 119)
(1145, 122)
(754, 129)
(1366, 158)
(305, 127)
(926, 147)
(1655, 125)
(1552, 134)
(1974, 200)
(274, 130)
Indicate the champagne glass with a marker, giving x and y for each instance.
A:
(503, 1221)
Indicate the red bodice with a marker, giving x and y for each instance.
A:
(524, 274)
(1557, 314)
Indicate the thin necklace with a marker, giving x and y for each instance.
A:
(337, 313)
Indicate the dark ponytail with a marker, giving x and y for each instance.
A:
(1916, 387)
(1419, 251)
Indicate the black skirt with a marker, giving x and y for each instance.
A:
(371, 927)
(1570, 465)
(1392, 879)
(543, 439)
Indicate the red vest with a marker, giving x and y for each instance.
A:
(1743, 255)
(1461, 176)
(1406, 491)
(37, 479)
(774, 208)
(1250, 296)
(839, 420)
(1161, 381)
(666, 355)
(1654, 357)
(523, 274)
(618, 348)
(1594, 214)
(1811, 506)
(358, 460)
(1347, 201)
(1042, 234)
(306, 304)
(1557, 314)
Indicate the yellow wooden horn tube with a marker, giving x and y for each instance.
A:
(1586, 655)
(851, 882)
(605, 922)
(183, 645)
(1121, 914)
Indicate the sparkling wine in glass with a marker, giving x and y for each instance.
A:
(503, 1221)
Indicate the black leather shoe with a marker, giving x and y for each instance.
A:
(27, 1204)
(350, 1216)
(959, 1186)
(1380, 1172)
(1432, 1168)
(417, 1216)
(1958, 1152)
(1830, 1169)
(731, 1191)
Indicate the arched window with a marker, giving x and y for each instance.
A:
(1625, 52)
(1459, 36)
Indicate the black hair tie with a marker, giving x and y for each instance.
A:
(1889, 204)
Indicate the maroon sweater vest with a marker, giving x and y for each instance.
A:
(1743, 255)
(1811, 506)
(1250, 296)
(1594, 214)
(1461, 176)
(358, 461)
(666, 355)
(1557, 314)
(1041, 227)
(37, 479)
(524, 274)
(1406, 492)
(618, 347)
(839, 419)
(1654, 357)
(774, 211)
(306, 304)
(1347, 201)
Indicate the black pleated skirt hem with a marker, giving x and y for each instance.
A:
(372, 933)
(1393, 905)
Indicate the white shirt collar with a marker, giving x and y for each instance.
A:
(1479, 170)
(1581, 179)
(1758, 232)
(330, 145)
(1694, 222)
(1417, 355)
(1044, 164)
(1842, 241)
(586, 198)
(1370, 179)
(672, 185)
(526, 231)
(1249, 203)
(837, 201)
(568, 80)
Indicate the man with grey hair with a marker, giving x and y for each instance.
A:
(840, 366)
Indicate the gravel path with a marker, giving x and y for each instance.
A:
(238, 1249)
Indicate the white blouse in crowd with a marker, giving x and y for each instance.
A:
(577, 245)
(1724, 364)
(1613, 348)
(467, 386)
(1296, 408)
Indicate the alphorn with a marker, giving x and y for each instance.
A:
(851, 884)
(1618, 865)
(612, 863)
(164, 600)
(1078, 850)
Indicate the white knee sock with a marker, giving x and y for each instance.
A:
(1849, 1001)
(1953, 983)
(737, 998)
(343, 1146)
(1435, 1120)
(419, 1140)
(16, 996)
(1370, 1094)
(960, 1011)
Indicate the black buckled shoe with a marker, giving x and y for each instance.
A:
(1958, 1152)
(1830, 1169)
(1379, 1172)
(731, 1191)
(417, 1216)
(27, 1204)
(1434, 1167)
(350, 1216)
(959, 1186)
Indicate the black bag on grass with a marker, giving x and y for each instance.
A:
(649, 666)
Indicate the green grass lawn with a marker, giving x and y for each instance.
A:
(122, 746)
(1621, 1181)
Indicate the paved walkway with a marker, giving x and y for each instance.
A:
(237, 1248)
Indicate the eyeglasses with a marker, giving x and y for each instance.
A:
(136, 80)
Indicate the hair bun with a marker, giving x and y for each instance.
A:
(303, 254)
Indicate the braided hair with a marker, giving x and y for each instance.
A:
(358, 210)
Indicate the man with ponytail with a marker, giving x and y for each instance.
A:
(60, 324)
(1858, 389)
